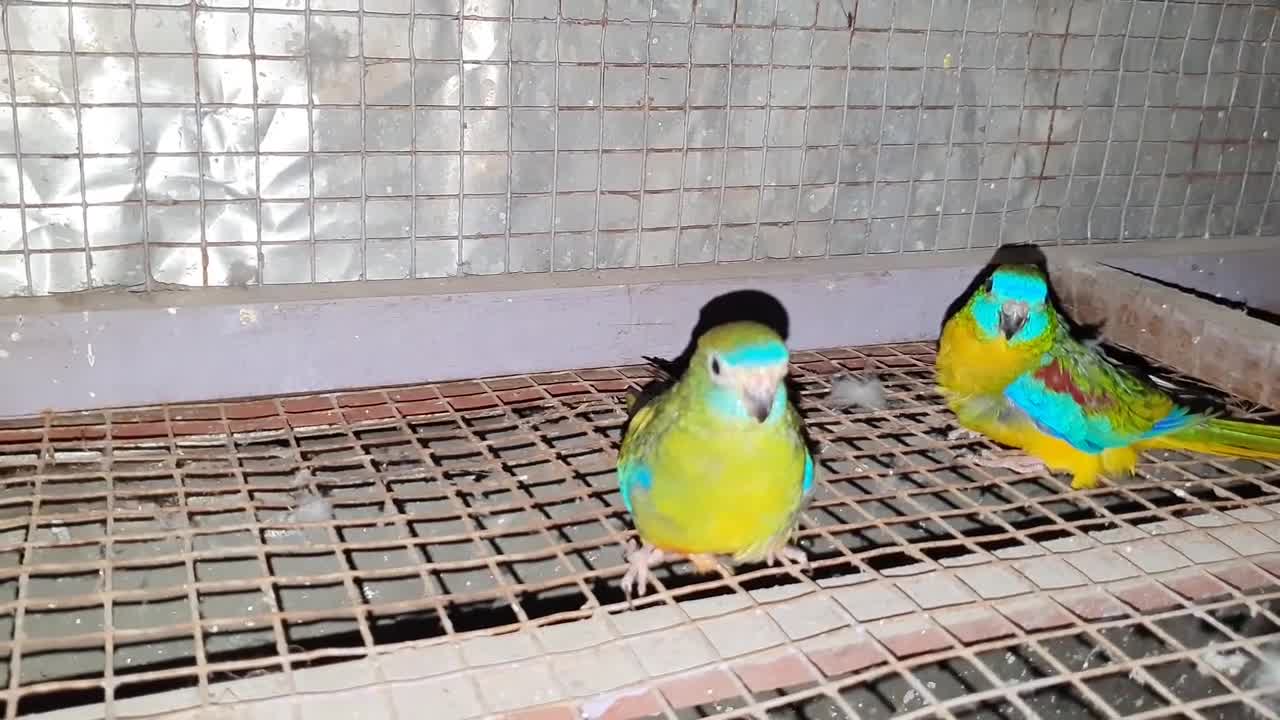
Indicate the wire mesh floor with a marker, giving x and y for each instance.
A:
(177, 548)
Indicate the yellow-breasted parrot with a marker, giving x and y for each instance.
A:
(715, 464)
(1010, 369)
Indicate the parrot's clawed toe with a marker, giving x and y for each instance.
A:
(704, 563)
(1007, 460)
(963, 433)
(787, 554)
(640, 560)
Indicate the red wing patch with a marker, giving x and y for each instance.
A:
(1056, 378)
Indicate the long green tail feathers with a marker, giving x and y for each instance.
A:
(1231, 438)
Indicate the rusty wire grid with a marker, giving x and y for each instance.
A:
(174, 548)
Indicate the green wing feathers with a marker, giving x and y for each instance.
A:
(1078, 396)
(1139, 408)
(1231, 438)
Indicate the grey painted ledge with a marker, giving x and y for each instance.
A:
(118, 349)
(1251, 279)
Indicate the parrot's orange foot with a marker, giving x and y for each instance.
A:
(704, 563)
(1008, 460)
(787, 554)
(963, 433)
(640, 560)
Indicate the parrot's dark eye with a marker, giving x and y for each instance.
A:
(715, 366)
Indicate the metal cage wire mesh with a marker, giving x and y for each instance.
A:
(179, 548)
(285, 141)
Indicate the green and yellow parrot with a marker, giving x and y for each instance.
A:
(1010, 369)
(716, 464)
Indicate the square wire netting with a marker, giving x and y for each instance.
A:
(1161, 656)
(151, 143)
(161, 548)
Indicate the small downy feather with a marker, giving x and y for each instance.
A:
(311, 507)
(851, 391)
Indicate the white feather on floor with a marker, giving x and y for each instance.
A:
(852, 391)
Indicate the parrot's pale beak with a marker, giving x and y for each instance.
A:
(1013, 315)
(758, 390)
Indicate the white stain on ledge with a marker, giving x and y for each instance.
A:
(248, 316)
(88, 354)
